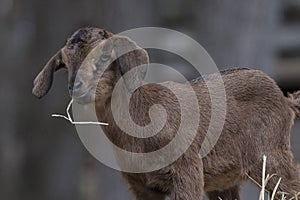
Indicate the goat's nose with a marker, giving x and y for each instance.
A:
(75, 87)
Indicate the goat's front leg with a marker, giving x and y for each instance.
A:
(188, 179)
(150, 196)
(146, 194)
(229, 194)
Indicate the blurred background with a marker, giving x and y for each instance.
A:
(43, 158)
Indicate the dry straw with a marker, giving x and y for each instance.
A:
(69, 118)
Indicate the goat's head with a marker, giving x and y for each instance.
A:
(88, 52)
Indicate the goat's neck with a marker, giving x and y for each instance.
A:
(138, 109)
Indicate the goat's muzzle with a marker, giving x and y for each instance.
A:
(80, 95)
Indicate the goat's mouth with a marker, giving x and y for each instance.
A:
(86, 97)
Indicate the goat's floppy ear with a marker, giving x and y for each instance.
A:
(134, 56)
(42, 83)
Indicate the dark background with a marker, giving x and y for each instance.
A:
(42, 157)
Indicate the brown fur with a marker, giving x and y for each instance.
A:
(258, 122)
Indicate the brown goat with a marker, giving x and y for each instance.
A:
(258, 122)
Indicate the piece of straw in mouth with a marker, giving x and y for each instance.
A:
(69, 118)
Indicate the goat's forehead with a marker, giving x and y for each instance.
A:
(86, 32)
(81, 33)
(84, 35)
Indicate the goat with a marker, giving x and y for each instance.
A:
(258, 122)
